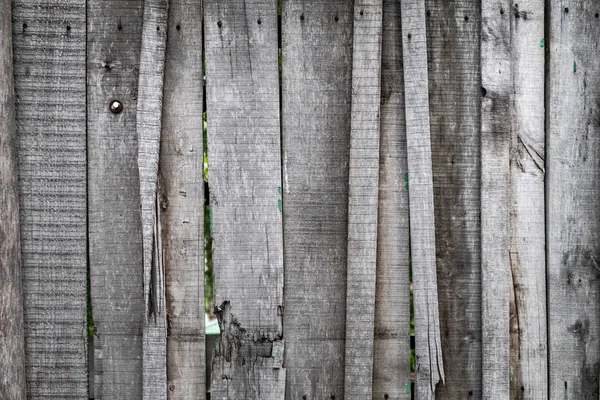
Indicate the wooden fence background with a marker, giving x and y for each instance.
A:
(325, 120)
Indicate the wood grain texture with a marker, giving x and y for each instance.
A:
(12, 350)
(528, 365)
(245, 183)
(363, 199)
(572, 190)
(115, 237)
(49, 67)
(429, 367)
(148, 128)
(181, 200)
(496, 127)
(453, 44)
(391, 349)
(316, 95)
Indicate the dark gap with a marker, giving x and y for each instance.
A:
(336, 18)
(24, 27)
(566, 10)
(68, 27)
(409, 35)
(158, 29)
(596, 15)
(258, 22)
(466, 18)
(219, 24)
(178, 27)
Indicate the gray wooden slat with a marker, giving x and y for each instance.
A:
(428, 350)
(316, 95)
(496, 82)
(148, 127)
(453, 44)
(49, 67)
(181, 200)
(363, 199)
(391, 350)
(12, 350)
(572, 192)
(528, 364)
(115, 237)
(245, 180)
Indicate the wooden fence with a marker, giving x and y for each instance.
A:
(325, 120)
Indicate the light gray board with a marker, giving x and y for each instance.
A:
(115, 237)
(429, 369)
(528, 365)
(148, 128)
(244, 155)
(496, 83)
(391, 351)
(363, 199)
(49, 67)
(453, 44)
(572, 193)
(12, 351)
(181, 200)
(317, 67)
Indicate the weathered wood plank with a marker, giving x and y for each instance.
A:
(148, 127)
(528, 364)
(363, 199)
(428, 350)
(391, 351)
(316, 94)
(453, 44)
(181, 198)
(245, 184)
(496, 121)
(49, 67)
(115, 237)
(573, 190)
(12, 350)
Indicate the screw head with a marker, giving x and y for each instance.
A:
(116, 106)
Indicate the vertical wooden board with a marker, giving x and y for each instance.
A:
(49, 67)
(316, 94)
(429, 367)
(181, 199)
(391, 350)
(453, 43)
(363, 199)
(245, 189)
(528, 365)
(115, 237)
(572, 190)
(12, 350)
(496, 88)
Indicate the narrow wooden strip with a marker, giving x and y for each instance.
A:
(528, 363)
(316, 95)
(391, 351)
(245, 195)
(363, 199)
(12, 350)
(115, 238)
(496, 90)
(453, 45)
(49, 67)
(148, 128)
(181, 199)
(572, 193)
(429, 364)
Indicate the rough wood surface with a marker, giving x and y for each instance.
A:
(429, 367)
(181, 200)
(316, 94)
(245, 195)
(12, 350)
(115, 237)
(572, 190)
(49, 67)
(391, 349)
(148, 128)
(528, 348)
(363, 199)
(453, 44)
(496, 87)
